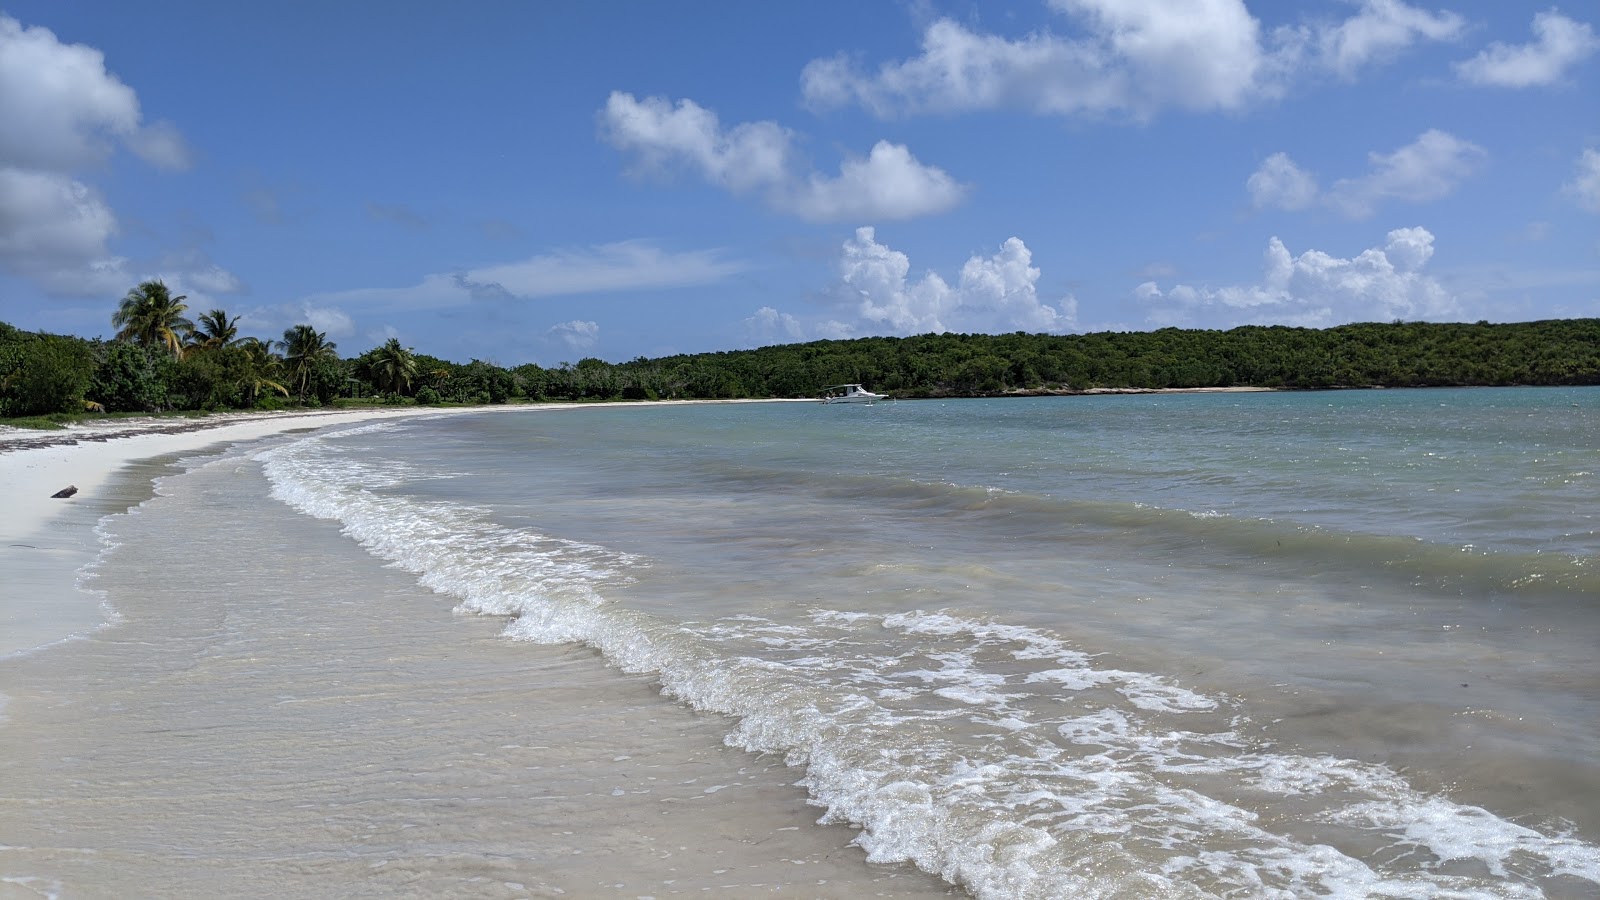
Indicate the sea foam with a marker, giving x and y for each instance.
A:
(995, 755)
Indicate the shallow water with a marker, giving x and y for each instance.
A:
(1335, 644)
(302, 722)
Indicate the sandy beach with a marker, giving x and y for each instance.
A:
(245, 736)
(44, 540)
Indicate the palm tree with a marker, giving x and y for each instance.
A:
(214, 331)
(263, 370)
(393, 367)
(303, 347)
(150, 316)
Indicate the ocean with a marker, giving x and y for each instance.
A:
(1331, 644)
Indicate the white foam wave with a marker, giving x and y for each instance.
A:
(1063, 779)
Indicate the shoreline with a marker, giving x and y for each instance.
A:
(45, 541)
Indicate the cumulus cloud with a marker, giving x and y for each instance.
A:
(1429, 168)
(1132, 57)
(1585, 184)
(759, 158)
(1560, 43)
(1380, 31)
(665, 135)
(578, 334)
(889, 184)
(768, 326)
(61, 111)
(995, 293)
(1316, 289)
(51, 225)
(1281, 184)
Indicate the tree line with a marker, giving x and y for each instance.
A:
(160, 360)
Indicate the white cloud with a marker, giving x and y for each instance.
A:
(768, 326)
(1426, 169)
(335, 322)
(961, 70)
(50, 222)
(1561, 44)
(1121, 56)
(754, 155)
(1585, 184)
(61, 111)
(578, 334)
(759, 158)
(160, 145)
(621, 266)
(210, 279)
(1282, 184)
(59, 106)
(1315, 289)
(889, 184)
(994, 294)
(1380, 31)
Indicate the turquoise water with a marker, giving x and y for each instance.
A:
(1237, 645)
(1222, 645)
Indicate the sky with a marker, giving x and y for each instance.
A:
(543, 182)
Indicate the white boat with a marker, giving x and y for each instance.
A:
(850, 393)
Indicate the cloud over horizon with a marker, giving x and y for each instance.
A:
(1315, 289)
(993, 293)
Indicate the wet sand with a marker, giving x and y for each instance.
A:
(276, 714)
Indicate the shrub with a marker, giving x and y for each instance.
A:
(45, 374)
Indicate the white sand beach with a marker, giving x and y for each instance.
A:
(44, 540)
(251, 735)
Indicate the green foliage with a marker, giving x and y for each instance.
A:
(307, 354)
(151, 317)
(42, 374)
(391, 368)
(47, 374)
(214, 331)
(942, 365)
(128, 378)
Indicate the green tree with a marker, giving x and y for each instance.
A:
(304, 348)
(393, 367)
(150, 316)
(214, 330)
(44, 373)
(128, 378)
(263, 370)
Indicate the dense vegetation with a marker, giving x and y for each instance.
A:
(161, 360)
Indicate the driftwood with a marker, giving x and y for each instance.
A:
(67, 491)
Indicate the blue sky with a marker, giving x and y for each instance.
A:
(541, 182)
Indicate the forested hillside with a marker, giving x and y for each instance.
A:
(212, 368)
(1565, 351)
